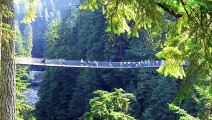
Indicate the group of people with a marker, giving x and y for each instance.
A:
(145, 63)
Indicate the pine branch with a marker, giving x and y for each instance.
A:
(169, 10)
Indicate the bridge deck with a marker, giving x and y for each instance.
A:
(86, 64)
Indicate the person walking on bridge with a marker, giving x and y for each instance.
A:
(110, 64)
(61, 61)
(88, 63)
(121, 64)
(44, 60)
(96, 63)
(133, 63)
(81, 61)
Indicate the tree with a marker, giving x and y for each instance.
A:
(187, 34)
(84, 37)
(22, 110)
(7, 75)
(27, 40)
(109, 106)
(58, 84)
(79, 37)
(18, 41)
(86, 83)
(162, 94)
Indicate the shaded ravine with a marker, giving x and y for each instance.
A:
(32, 93)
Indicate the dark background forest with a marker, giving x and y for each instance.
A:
(61, 31)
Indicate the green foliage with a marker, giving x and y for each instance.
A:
(204, 93)
(203, 98)
(188, 33)
(58, 33)
(6, 12)
(22, 109)
(119, 13)
(58, 85)
(164, 92)
(153, 92)
(183, 113)
(173, 64)
(52, 35)
(86, 83)
(109, 105)
(9, 33)
(79, 37)
(18, 41)
(84, 36)
(27, 40)
(40, 25)
(31, 11)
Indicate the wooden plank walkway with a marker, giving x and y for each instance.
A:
(86, 64)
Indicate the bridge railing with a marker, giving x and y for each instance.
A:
(95, 64)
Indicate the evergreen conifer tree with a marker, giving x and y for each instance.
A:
(18, 41)
(27, 40)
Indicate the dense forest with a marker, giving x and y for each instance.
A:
(94, 30)
(65, 92)
(46, 11)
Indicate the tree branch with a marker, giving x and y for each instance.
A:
(170, 11)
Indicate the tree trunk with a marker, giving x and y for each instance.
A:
(0, 34)
(7, 74)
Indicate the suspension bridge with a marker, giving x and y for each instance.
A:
(86, 64)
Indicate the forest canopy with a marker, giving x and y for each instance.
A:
(186, 36)
(178, 30)
(183, 28)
